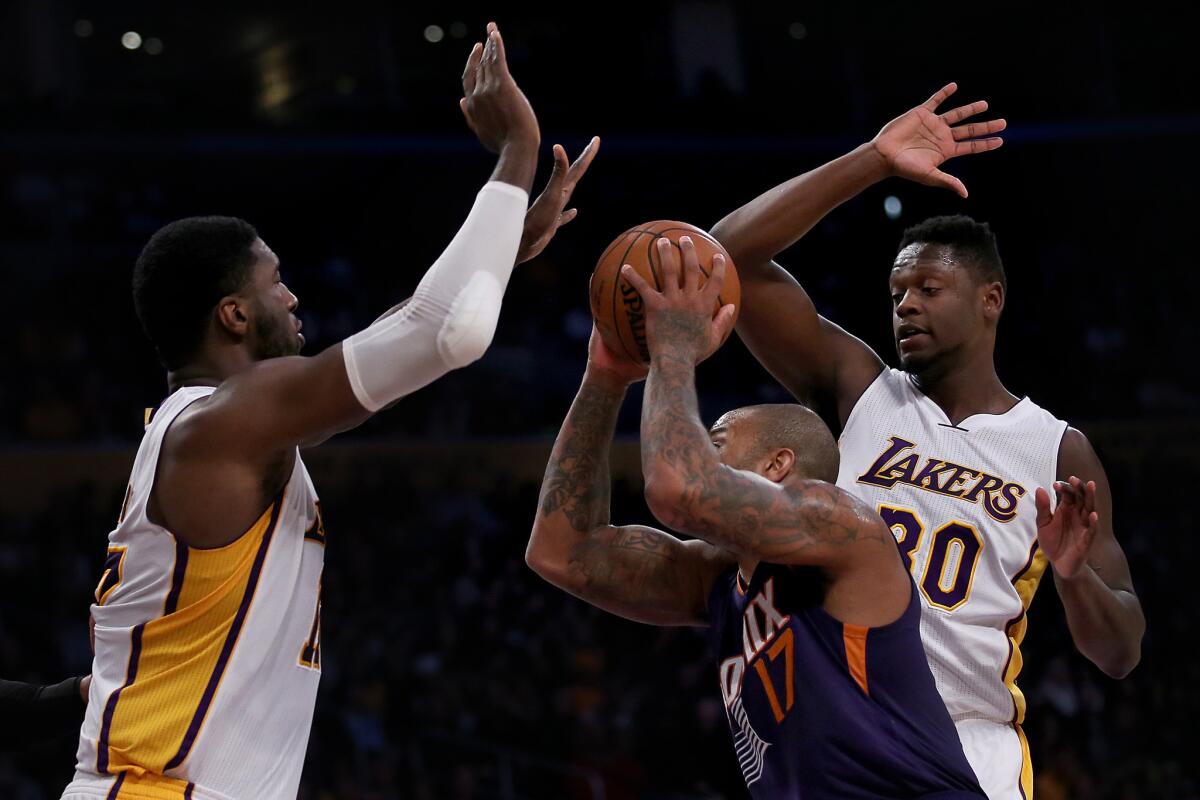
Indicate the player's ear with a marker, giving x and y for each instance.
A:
(993, 299)
(232, 315)
(780, 464)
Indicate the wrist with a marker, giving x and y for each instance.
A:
(1077, 578)
(605, 379)
(877, 163)
(517, 163)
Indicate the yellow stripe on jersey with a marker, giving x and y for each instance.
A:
(149, 787)
(1026, 766)
(1026, 585)
(179, 659)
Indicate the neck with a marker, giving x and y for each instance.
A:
(966, 388)
(208, 370)
(747, 567)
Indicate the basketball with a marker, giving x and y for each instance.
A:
(616, 305)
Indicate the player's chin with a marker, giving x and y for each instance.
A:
(916, 360)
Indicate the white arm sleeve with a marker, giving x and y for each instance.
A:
(452, 316)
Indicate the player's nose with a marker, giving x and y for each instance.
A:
(293, 302)
(907, 306)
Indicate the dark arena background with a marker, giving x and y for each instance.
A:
(450, 670)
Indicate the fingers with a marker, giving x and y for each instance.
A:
(691, 265)
(582, 163)
(716, 280)
(470, 73)
(669, 265)
(977, 146)
(1041, 499)
(977, 129)
(487, 60)
(940, 96)
(947, 181)
(957, 115)
(499, 57)
(643, 286)
(1089, 498)
(723, 323)
(567, 216)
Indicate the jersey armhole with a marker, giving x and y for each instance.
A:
(858, 404)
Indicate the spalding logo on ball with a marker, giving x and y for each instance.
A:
(618, 308)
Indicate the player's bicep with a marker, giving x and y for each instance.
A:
(644, 574)
(1078, 458)
(813, 358)
(282, 403)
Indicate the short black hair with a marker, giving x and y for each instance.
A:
(182, 273)
(973, 243)
(799, 429)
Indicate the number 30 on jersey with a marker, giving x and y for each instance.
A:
(953, 555)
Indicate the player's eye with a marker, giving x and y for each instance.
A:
(931, 290)
(896, 298)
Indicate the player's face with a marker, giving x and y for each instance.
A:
(733, 438)
(276, 330)
(935, 307)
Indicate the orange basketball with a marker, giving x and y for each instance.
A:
(616, 305)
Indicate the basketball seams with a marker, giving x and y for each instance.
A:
(615, 291)
(617, 313)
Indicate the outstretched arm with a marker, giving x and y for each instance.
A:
(1090, 570)
(450, 319)
(687, 485)
(636, 572)
(817, 361)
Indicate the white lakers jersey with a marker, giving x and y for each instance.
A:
(207, 661)
(960, 501)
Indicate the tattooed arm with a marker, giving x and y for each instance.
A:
(687, 486)
(636, 572)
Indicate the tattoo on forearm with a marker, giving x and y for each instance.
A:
(729, 509)
(577, 479)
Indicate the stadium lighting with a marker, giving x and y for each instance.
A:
(131, 40)
(84, 28)
(153, 46)
(434, 33)
(797, 30)
(892, 207)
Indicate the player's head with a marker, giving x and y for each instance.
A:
(206, 282)
(948, 289)
(779, 441)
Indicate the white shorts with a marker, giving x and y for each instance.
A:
(999, 754)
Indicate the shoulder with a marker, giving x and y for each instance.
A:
(1077, 457)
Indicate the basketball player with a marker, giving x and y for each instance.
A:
(813, 617)
(961, 469)
(208, 614)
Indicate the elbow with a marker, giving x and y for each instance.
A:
(470, 324)
(1120, 665)
(1122, 661)
(548, 567)
(667, 499)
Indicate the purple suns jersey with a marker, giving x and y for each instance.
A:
(821, 709)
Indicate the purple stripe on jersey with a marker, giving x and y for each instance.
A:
(135, 653)
(210, 690)
(116, 787)
(1008, 625)
(181, 559)
(187, 793)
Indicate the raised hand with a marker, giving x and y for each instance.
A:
(916, 143)
(494, 106)
(680, 322)
(546, 215)
(1066, 535)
